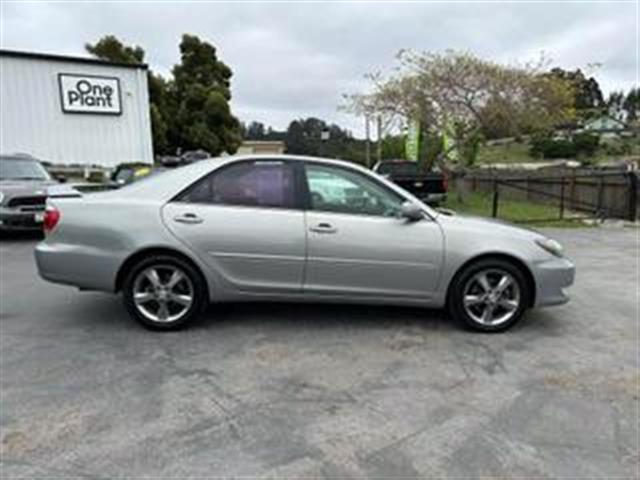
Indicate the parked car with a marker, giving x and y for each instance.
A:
(195, 156)
(293, 228)
(429, 187)
(127, 173)
(183, 159)
(23, 192)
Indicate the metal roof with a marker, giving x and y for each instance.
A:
(67, 58)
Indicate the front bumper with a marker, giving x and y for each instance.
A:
(13, 219)
(552, 277)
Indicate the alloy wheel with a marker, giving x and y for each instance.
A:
(163, 293)
(491, 297)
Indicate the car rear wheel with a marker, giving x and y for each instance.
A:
(490, 295)
(164, 292)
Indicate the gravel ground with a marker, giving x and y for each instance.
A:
(318, 391)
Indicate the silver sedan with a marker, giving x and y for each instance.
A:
(293, 229)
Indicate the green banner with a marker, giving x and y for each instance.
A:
(412, 144)
(449, 146)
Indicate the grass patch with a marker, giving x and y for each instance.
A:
(610, 149)
(512, 152)
(476, 203)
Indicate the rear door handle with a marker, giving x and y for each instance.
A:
(188, 218)
(323, 227)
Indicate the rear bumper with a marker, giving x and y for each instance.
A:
(75, 265)
(434, 197)
(11, 219)
(552, 277)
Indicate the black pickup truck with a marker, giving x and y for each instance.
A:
(429, 187)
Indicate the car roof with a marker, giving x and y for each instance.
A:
(18, 156)
(166, 186)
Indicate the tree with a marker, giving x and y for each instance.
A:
(305, 137)
(111, 49)
(460, 93)
(191, 110)
(158, 129)
(255, 131)
(615, 101)
(393, 147)
(588, 98)
(201, 94)
(295, 139)
(631, 104)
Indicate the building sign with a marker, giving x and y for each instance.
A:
(90, 94)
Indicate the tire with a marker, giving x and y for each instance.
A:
(471, 295)
(168, 299)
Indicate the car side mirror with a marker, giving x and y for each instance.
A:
(411, 211)
(61, 179)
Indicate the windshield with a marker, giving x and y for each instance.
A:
(398, 168)
(22, 169)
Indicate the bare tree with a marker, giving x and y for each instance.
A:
(458, 92)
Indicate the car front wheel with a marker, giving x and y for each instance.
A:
(490, 295)
(164, 292)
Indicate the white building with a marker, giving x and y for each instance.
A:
(72, 110)
(250, 147)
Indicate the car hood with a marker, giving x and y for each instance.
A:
(25, 187)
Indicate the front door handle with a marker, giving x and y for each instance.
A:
(188, 218)
(323, 227)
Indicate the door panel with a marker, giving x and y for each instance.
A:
(357, 243)
(242, 221)
(249, 249)
(370, 255)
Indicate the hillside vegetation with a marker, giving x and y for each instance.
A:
(608, 150)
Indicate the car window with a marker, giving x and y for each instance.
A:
(398, 168)
(256, 184)
(340, 190)
(22, 169)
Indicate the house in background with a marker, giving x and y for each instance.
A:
(607, 126)
(268, 147)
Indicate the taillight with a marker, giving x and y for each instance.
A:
(445, 182)
(51, 218)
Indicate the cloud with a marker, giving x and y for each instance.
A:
(297, 59)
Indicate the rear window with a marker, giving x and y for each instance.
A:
(22, 169)
(251, 184)
(398, 168)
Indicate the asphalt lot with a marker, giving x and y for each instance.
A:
(313, 391)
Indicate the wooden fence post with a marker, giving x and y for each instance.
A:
(572, 189)
(561, 198)
(600, 197)
(494, 212)
(632, 211)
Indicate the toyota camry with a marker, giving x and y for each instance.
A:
(288, 228)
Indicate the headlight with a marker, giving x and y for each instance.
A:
(551, 246)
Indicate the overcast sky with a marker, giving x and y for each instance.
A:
(292, 60)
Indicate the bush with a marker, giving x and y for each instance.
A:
(547, 147)
(543, 145)
(585, 143)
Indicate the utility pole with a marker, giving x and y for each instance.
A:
(379, 133)
(324, 138)
(367, 141)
